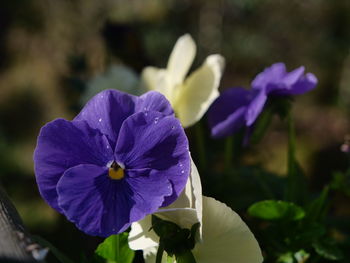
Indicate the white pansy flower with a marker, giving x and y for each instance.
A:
(190, 97)
(225, 238)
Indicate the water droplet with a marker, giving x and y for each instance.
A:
(156, 120)
(100, 119)
(172, 127)
(180, 164)
(182, 171)
(107, 146)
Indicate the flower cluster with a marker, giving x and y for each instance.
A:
(125, 159)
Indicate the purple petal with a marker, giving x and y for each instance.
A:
(147, 199)
(152, 140)
(255, 107)
(305, 84)
(154, 101)
(106, 111)
(61, 145)
(101, 206)
(270, 75)
(226, 115)
(292, 77)
(96, 204)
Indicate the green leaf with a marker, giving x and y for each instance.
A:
(317, 209)
(327, 249)
(115, 249)
(276, 210)
(286, 258)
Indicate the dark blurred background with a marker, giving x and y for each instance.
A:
(50, 50)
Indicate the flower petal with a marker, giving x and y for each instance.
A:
(102, 206)
(227, 114)
(187, 209)
(96, 204)
(181, 59)
(154, 101)
(157, 79)
(304, 85)
(106, 112)
(61, 145)
(141, 236)
(199, 91)
(226, 238)
(272, 74)
(152, 140)
(256, 106)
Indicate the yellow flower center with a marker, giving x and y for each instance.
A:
(115, 172)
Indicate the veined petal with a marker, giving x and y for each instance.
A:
(157, 79)
(157, 142)
(199, 91)
(97, 205)
(106, 112)
(226, 238)
(187, 209)
(61, 145)
(154, 101)
(181, 59)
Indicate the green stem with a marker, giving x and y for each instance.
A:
(292, 179)
(160, 252)
(116, 245)
(200, 146)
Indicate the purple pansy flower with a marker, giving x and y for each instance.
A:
(238, 107)
(119, 160)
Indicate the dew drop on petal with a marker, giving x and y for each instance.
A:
(172, 127)
(100, 120)
(156, 120)
(182, 171)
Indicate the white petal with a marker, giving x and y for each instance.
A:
(181, 59)
(226, 238)
(157, 79)
(140, 237)
(191, 197)
(199, 91)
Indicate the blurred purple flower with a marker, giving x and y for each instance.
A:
(238, 107)
(119, 160)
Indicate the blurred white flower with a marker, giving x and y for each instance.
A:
(225, 238)
(190, 97)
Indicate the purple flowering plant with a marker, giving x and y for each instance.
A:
(121, 158)
(238, 107)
